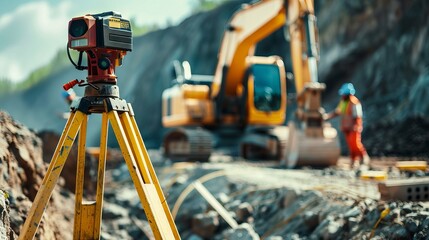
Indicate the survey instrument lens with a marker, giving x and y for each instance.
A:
(78, 28)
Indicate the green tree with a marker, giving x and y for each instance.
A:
(205, 5)
(6, 86)
(57, 64)
(139, 30)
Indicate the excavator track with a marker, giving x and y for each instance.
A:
(193, 145)
(268, 144)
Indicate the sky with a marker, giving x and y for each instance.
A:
(32, 31)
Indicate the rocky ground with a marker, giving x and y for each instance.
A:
(21, 172)
(271, 203)
(262, 200)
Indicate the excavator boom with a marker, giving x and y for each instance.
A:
(255, 22)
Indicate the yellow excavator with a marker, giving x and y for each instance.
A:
(243, 105)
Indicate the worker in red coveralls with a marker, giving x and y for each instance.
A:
(350, 111)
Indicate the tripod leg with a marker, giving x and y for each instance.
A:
(101, 175)
(147, 192)
(135, 147)
(151, 171)
(80, 176)
(88, 213)
(57, 163)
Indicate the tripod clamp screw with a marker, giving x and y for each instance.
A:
(80, 83)
(72, 83)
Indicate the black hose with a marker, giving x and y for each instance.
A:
(77, 66)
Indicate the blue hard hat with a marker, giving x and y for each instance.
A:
(69, 93)
(347, 89)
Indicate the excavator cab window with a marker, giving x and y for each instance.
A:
(267, 87)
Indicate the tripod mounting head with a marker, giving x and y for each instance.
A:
(105, 38)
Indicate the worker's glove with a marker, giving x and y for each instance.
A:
(325, 116)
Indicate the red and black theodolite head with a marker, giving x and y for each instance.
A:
(105, 38)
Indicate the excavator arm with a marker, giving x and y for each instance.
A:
(247, 27)
(255, 22)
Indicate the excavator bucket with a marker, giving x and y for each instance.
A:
(305, 150)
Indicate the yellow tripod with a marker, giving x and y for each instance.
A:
(87, 220)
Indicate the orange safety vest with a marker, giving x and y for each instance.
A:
(350, 111)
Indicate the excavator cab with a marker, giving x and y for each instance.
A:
(266, 109)
(266, 91)
(261, 103)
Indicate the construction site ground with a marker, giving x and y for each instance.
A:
(253, 200)
(269, 202)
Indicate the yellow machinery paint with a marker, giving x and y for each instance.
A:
(373, 175)
(411, 165)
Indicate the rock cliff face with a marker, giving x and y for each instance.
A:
(380, 47)
(21, 173)
(6, 231)
(21, 155)
(377, 45)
